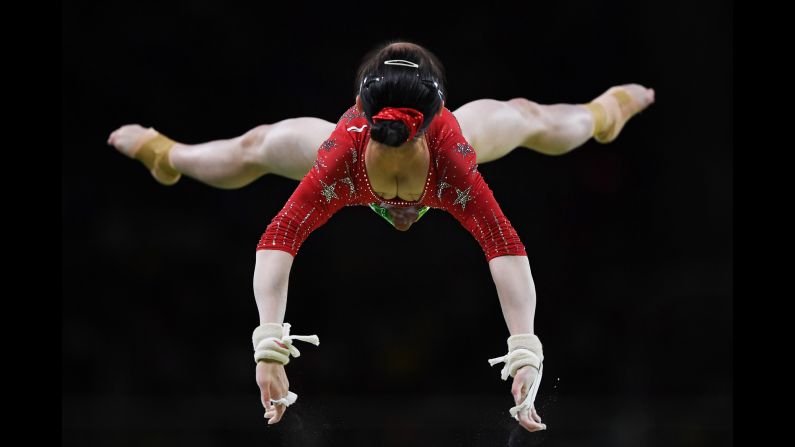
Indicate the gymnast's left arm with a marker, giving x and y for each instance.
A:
(470, 200)
(517, 295)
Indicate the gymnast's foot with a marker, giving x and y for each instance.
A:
(613, 108)
(149, 147)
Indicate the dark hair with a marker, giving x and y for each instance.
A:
(388, 85)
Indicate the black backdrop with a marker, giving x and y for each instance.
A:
(630, 243)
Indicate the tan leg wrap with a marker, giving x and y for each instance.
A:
(154, 155)
(610, 112)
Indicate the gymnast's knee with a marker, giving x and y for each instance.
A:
(253, 144)
(527, 108)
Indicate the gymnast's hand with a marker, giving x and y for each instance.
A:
(273, 384)
(403, 217)
(522, 381)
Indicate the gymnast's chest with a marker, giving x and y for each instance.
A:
(408, 183)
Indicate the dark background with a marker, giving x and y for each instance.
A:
(630, 243)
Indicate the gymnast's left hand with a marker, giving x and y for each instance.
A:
(522, 381)
(273, 384)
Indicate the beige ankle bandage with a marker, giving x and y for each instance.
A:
(599, 118)
(154, 155)
(272, 341)
(610, 112)
(523, 350)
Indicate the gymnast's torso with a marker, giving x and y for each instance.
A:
(445, 177)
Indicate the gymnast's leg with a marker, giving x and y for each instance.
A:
(495, 128)
(286, 148)
(289, 147)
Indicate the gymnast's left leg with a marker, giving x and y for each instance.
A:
(495, 128)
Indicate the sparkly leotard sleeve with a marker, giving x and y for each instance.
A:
(463, 193)
(324, 190)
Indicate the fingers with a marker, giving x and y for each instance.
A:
(273, 412)
(529, 419)
(280, 409)
(276, 413)
(518, 390)
(528, 423)
(534, 415)
(266, 398)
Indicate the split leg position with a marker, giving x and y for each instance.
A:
(288, 148)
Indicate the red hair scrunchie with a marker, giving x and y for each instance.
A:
(410, 117)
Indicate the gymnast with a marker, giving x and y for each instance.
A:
(401, 152)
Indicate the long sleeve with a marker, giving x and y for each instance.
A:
(323, 191)
(464, 194)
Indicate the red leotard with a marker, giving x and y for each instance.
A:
(338, 178)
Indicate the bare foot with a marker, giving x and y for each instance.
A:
(620, 103)
(129, 138)
(642, 97)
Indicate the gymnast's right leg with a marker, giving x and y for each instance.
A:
(287, 148)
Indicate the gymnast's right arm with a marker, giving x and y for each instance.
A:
(319, 195)
(271, 271)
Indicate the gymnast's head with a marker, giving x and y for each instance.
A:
(397, 76)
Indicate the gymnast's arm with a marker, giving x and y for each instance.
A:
(469, 199)
(271, 274)
(319, 195)
(504, 251)
(516, 291)
(271, 271)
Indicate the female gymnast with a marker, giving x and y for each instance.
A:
(400, 151)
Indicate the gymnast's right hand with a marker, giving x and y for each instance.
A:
(273, 384)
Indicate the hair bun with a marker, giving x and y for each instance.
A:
(390, 133)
